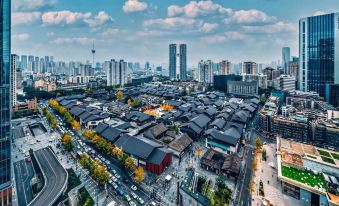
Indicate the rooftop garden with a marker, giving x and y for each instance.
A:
(335, 156)
(328, 157)
(304, 177)
(324, 153)
(328, 160)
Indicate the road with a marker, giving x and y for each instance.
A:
(24, 172)
(55, 178)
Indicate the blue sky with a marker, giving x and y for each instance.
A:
(140, 30)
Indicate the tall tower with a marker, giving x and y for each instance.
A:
(6, 105)
(286, 58)
(93, 54)
(172, 61)
(318, 52)
(183, 61)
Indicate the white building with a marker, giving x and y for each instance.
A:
(205, 69)
(117, 73)
(286, 83)
(260, 78)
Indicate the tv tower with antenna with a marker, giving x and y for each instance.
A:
(93, 53)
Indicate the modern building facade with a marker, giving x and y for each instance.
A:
(178, 72)
(205, 69)
(260, 78)
(286, 56)
(183, 61)
(14, 64)
(286, 83)
(242, 88)
(172, 61)
(220, 81)
(332, 94)
(5, 104)
(225, 67)
(117, 73)
(250, 68)
(318, 52)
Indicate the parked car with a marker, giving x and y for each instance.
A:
(127, 197)
(134, 188)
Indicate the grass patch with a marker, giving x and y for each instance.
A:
(328, 160)
(335, 156)
(324, 153)
(304, 177)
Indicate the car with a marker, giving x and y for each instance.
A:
(120, 191)
(110, 182)
(131, 203)
(140, 200)
(114, 179)
(115, 186)
(127, 197)
(117, 176)
(134, 188)
(114, 172)
(134, 195)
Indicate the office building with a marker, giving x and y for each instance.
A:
(183, 61)
(172, 61)
(260, 78)
(246, 89)
(220, 81)
(286, 83)
(5, 106)
(225, 67)
(332, 94)
(205, 71)
(250, 68)
(286, 57)
(178, 72)
(14, 64)
(318, 52)
(24, 62)
(117, 73)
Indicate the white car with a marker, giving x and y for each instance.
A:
(131, 203)
(140, 200)
(134, 195)
(115, 186)
(134, 188)
(117, 176)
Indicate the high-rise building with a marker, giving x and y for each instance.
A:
(250, 68)
(225, 67)
(5, 105)
(117, 73)
(286, 83)
(183, 61)
(286, 57)
(14, 64)
(172, 61)
(23, 62)
(318, 52)
(205, 71)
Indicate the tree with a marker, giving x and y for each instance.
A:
(53, 103)
(96, 138)
(67, 141)
(129, 163)
(54, 123)
(262, 99)
(139, 174)
(101, 175)
(88, 134)
(120, 95)
(75, 125)
(68, 117)
(258, 143)
(199, 152)
(129, 101)
(45, 111)
(62, 110)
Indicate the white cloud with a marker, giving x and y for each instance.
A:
(50, 34)
(75, 40)
(200, 8)
(134, 6)
(172, 23)
(32, 5)
(100, 19)
(20, 37)
(19, 18)
(319, 13)
(250, 16)
(109, 32)
(68, 17)
(272, 28)
(207, 27)
(227, 36)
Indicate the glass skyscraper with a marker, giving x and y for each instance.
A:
(172, 61)
(318, 52)
(286, 58)
(5, 104)
(183, 61)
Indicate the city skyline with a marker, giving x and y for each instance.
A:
(138, 30)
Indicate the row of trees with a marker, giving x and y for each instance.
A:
(63, 111)
(96, 170)
(117, 153)
(50, 118)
